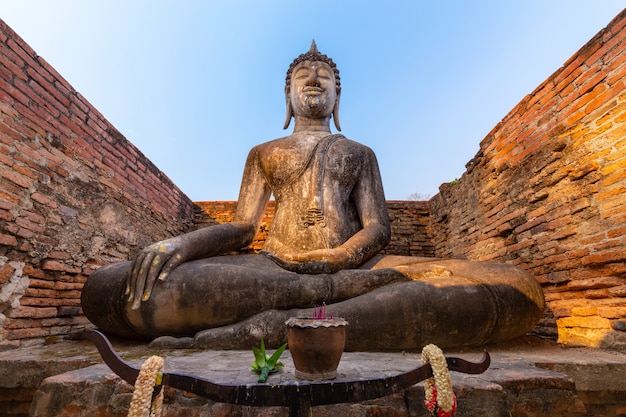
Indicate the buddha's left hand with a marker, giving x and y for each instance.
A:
(320, 261)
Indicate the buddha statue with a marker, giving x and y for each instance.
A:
(330, 224)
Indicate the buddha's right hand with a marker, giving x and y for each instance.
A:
(154, 261)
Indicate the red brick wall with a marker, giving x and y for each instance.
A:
(410, 229)
(74, 194)
(547, 191)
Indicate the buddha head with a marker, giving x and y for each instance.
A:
(313, 87)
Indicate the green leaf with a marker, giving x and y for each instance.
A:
(272, 362)
(260, 357)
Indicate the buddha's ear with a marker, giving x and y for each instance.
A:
(336, 113)
(289, 112)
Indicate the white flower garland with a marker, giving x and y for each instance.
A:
(142, 404)
(438, 389)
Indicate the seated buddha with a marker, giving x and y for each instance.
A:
(330, 224)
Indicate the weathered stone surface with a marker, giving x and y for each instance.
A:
(100, 392)
(27, 367)
(22, 370)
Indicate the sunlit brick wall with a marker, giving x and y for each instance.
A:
(547, 192)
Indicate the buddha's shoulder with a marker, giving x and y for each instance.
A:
(352, 144)
(270, 144)
(265, 148)
(302, 143)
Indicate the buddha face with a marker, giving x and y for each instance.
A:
(313, 92)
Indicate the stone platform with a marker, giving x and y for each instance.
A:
(530, 377)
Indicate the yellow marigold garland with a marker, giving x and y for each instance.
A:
(150, 375)
(440, 399)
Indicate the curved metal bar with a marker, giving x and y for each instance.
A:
(295, 395)
(121, 368)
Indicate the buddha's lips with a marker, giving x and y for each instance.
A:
(313, 90)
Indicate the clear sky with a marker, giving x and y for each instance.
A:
(195, 84)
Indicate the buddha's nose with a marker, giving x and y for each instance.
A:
(313, 80)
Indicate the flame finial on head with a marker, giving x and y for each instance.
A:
(313, 49)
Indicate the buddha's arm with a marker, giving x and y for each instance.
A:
(254, 192)
(370, 202)
(159, 259)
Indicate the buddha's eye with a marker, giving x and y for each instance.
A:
(303, 73)
(323, 73)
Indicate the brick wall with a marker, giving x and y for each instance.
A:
(410, 229)
(547, 191)
(74, 194)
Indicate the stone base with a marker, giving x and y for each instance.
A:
(531, 377)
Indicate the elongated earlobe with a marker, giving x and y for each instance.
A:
(289, 113)
(336, 114)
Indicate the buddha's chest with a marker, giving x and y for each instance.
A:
(327, 164)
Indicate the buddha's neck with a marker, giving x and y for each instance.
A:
(311, 125)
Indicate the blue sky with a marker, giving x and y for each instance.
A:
(195, 84)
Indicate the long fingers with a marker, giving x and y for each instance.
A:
(140, 271)
(132, 275)
(159, 267)
(171, 263)
(283, 263)
(151, 272)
